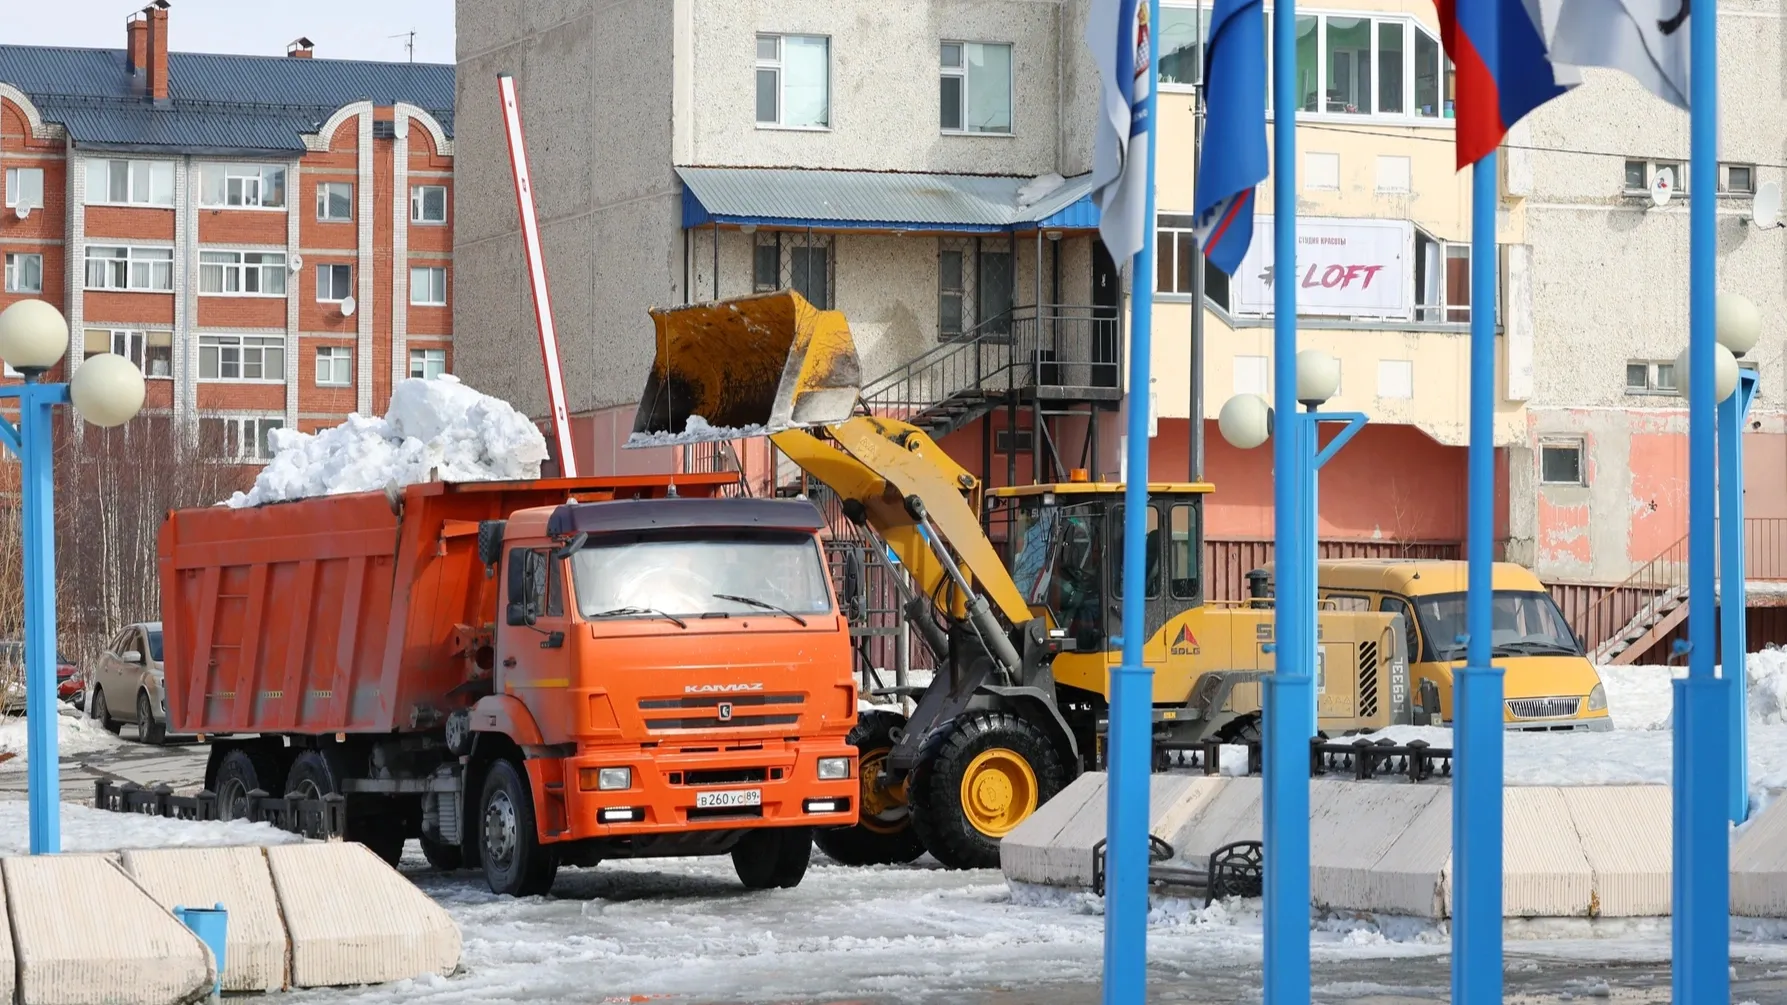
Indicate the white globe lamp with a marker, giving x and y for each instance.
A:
(1737, 324)
(1724, 373)
(107, 390)
(33, 336)
(1245, 421)
(1318, 377)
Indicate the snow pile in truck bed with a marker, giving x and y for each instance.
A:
(695, 430)
(436, 428)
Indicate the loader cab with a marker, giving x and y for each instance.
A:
(1064, 545)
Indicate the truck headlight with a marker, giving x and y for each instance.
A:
(833, 769)
(609, 779)
(1597, 699)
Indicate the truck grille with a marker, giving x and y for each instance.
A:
(742, 711)
(1543, 708)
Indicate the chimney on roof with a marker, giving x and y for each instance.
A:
(156, 64)
(136, 44)
(300, 48)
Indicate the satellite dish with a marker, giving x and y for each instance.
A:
(347, 307)
(296, 263)
(1765, 210)
(1662, 187)
(22, 210)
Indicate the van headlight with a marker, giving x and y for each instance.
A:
(833, 769)
(1597, 699)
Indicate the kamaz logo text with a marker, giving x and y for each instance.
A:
(720, 688)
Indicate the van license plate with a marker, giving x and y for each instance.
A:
(728, 799)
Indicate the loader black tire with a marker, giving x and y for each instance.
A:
(1242, 729)
(515, 862)
(773, 857)
(978, 777)
(884, 835)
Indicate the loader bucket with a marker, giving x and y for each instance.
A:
(750, 366)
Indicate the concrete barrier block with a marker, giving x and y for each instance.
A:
(1230, 814)
(1351, 828)
(355, 920)
(1414, 875)
(1759, 864)
(1024, 853)
(255, 957)
(1624, 832)
(87, 934)
(1544, 873)
(1187, 804)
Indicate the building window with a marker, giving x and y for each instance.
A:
(975, 286)
(152, 352)
(428, 285)
(428, 364)
(242, 358)
(1442, 281)
(334, 283)
(24, 273)
(428, 204)
(1560, 463)
(793, 81)
(1176, 251)
(1650, 377)
(239, 438)
(976, 87)
(242, 273)
(225, 185)
(1396, 378)
(1182, 31)
(801, 262)
(1640, 175)
(335, 201)
(1737, 179)
(126, 268)
(126, 182)
(335, 366)
(24, 187)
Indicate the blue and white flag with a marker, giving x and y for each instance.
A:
(1117, 32)
(1233, 162)
(1645, 38)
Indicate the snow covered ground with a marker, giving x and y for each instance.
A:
(76, 735)
(85, 829)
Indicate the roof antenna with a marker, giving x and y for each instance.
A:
(410, 42)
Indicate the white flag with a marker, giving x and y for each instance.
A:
(1645, 38)
(1117, 32)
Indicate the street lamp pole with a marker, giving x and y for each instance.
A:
(108, 391)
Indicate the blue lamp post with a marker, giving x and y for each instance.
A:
(1737, 325)
(108, 391)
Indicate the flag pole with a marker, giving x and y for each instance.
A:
(1701, 895)
(1289, 691)
(1132, 683)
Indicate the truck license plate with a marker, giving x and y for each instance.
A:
(728, 799)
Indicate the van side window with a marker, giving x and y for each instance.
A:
(1397, 605)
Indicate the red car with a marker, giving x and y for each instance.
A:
(71, 683)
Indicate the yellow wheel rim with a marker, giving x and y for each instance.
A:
(998, 791)
(883, 806)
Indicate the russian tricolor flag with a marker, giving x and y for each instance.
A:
(1499, 85)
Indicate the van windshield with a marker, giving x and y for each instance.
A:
(707, 576)
(1523, 623)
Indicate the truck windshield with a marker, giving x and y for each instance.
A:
(1523, 623)
(708, 576)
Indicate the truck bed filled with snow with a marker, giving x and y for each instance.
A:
(436, 429)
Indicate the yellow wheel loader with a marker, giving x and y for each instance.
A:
(1025, 639)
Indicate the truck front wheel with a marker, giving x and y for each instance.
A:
(978, 777)
(883, 834)
(515, 863)
(773, 857)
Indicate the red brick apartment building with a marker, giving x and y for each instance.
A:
(268, 237)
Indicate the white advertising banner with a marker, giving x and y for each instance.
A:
(1345, 268)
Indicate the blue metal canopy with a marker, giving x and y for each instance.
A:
(883, 200)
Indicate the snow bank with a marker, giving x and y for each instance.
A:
(76, 735)
(85, 829)
(1039, 188)
(435, 428)
(696, 430)
(1766, 677)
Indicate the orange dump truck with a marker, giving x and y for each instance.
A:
(523, 674)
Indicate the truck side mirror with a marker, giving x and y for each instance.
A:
(521, 614)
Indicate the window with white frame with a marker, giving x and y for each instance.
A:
(976, 87)
(121, 267)
(1737, 179)
(242, 185)
(1560, 462)
(428, 285)
(334, 283)
(1176, 249)
(794, 81)
(1642, 174)
(242, 273)
(242, 358)
(24, 185)
(239, 438)
(1650, 376)
(335, 366)
(24, 273)
(1443, 280)
(128, 182)
(151, 351)
(335, 201)
(428, 364)
(428, 204)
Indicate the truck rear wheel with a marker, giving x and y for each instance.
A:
(773, 857)
(243, 770)
(515, 862)
(313, 775)
(883, 835)
(445, 857)
(978, 778)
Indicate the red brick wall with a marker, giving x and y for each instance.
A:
(241, 312)
(241, 226)
(134, 223)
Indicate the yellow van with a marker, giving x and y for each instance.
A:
(1549, 684)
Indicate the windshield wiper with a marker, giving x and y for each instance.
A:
(766, 605)
(1537, 648)
(622, 611)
